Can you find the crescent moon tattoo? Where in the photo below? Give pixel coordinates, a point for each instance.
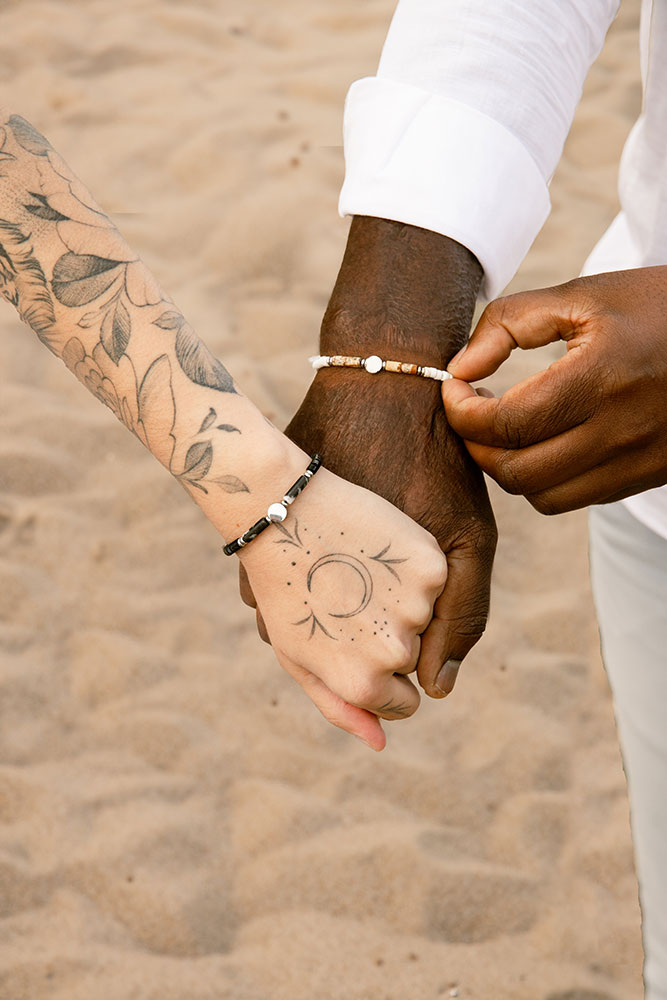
(357, 566)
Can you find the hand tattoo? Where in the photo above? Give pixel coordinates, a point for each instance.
(363, 587)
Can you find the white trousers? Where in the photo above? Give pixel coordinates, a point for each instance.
(629, 577)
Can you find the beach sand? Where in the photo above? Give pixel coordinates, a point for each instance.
(176, 820)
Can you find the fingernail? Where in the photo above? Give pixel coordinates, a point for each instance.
(446, 679)
(457, 357)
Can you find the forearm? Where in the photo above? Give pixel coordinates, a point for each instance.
(401, 289)
(75, 281)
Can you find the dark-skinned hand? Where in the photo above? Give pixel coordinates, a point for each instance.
(592, 427)
(407, 294)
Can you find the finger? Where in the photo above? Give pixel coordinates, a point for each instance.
(611, 481)
(459, 617)
(245, 589)
(542, 406)
(549, 463)
(403, 700)
(526, 320)
(356, 721)
(389, 695)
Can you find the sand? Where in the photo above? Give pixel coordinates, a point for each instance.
(176, 821)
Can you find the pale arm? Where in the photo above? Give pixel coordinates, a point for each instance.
(347, 584)
(77, 283)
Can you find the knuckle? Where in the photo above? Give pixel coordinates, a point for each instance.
(508, 474)
(470, 624)
(336, 720)
(421, 614)
(439, 571)
(496, 311)
(481, 539)
(396, 657)
(472, 630)
(632, 433)
(509, 422)
(545, 503)
(363, 691)
(400, 659)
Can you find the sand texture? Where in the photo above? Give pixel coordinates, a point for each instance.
(176, 820)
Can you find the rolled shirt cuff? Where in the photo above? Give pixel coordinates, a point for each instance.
(432, 162)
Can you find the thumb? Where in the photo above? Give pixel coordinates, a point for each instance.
(459, 616)
(467, 408)
(525, 320)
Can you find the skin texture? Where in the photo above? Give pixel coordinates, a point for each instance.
(406, 294)
(347, 583)
(591, 428)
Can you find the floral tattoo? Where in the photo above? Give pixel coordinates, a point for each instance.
(100, 277)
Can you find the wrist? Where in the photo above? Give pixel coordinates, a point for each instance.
(269, 468)
(403, 293)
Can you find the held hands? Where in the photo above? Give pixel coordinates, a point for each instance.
(408, 294)
(390, 435)
(345, 586)
(592, 428)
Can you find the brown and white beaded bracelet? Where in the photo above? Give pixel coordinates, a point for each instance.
(374, 364)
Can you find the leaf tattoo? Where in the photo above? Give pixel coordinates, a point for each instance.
(231, 484)
(194, 357)
(43, 210)
(229, 428)
(28, 137)
(198, 460)
(208, 420)
(388, 563)
(315, 624)
(115, 331)
(80, 278)
(199, 364)
(289, 538)
(170, 320)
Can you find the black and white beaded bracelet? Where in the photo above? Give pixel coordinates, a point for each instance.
(277, 511)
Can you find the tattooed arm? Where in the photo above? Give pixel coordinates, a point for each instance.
(75, 281)
(348, 583)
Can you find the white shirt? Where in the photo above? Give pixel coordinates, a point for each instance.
(462, 127)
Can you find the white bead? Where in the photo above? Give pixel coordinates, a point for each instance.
(373, 365)
(277, 512)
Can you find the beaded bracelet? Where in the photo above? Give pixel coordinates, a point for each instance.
(374, 364)
(277, 511)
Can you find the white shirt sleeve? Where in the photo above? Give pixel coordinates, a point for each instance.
(463, 126)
